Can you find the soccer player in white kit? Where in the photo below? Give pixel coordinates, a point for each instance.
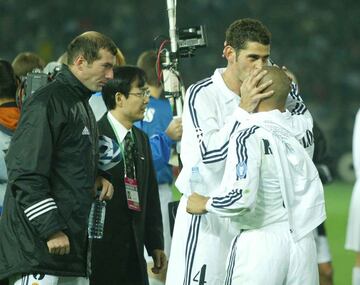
(353, 228)
(212, 111)
(272, 189)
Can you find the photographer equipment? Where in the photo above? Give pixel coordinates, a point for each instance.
(183, 43)
(189, 39)
(34, 80)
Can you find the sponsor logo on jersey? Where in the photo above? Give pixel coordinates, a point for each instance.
(85, 132)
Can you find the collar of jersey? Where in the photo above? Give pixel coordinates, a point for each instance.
(225, 91)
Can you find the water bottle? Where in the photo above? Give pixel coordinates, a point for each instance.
(97, 218)
(196, 181)
(178, 147)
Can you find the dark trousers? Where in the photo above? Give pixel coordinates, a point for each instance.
(117, 265)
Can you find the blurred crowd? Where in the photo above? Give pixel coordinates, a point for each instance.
(316, 40)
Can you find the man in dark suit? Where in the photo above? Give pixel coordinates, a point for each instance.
(133, 216)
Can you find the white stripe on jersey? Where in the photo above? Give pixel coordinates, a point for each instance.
(40, 208)
(209, 156)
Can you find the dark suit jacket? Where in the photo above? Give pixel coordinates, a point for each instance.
(119, 257)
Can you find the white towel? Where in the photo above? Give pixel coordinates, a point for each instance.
(300, 184)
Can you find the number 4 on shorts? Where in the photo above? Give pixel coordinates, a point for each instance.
(202, 273)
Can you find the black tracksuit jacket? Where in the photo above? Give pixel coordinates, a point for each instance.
(51, 163)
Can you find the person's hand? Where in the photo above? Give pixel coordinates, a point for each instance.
(251, 92)
(159, 258)
(107, 189)
(174, 130)
(196, 204)
(289, 74)
(58, 244)
(326, 273)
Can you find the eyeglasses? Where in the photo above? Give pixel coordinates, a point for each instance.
(143, 94)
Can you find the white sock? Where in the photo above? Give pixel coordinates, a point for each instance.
(356, 276)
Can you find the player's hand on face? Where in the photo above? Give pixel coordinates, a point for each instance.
(251, 92)
(288, 73)
(58, 244)
(196, 204)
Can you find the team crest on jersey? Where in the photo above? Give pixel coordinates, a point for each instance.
(241, 169)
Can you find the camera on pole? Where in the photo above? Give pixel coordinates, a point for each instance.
(183, 43)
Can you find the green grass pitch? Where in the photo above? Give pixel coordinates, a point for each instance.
(337, 195)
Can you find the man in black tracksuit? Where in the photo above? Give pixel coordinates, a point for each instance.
(52, 169)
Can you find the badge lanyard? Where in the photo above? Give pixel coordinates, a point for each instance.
(131, 185)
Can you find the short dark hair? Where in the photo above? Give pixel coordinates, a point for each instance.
(8, 83)
(242, 31)
(147, 61)
(26, 62)
(124, 76)
(88, 44)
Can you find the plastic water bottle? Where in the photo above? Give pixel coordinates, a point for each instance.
(178, 147)
(97, 218)
(196, 181)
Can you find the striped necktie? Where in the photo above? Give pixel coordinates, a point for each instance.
(129, 149)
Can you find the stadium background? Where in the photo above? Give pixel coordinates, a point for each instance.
(318, 40)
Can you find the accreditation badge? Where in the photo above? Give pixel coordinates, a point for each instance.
(132, 194)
